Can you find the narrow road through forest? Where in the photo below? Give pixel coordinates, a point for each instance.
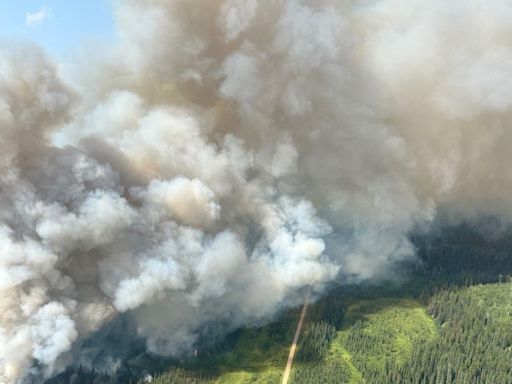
(291, 355)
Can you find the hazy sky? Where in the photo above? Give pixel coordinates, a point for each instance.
(57, 25)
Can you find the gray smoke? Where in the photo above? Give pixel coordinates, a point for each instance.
(223, 155)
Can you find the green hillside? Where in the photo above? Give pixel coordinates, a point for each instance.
(459, 335)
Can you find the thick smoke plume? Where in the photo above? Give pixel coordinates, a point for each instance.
(222, 155)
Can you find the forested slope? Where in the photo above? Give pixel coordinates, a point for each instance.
(449, 321)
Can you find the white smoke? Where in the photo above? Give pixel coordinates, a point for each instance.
(223, 155)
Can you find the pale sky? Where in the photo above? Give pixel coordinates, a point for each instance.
(57, 25)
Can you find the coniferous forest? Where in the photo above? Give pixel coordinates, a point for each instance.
(449, 320)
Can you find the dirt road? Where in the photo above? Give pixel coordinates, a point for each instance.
(291, 355)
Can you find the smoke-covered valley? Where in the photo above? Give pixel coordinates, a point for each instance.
(221, 157)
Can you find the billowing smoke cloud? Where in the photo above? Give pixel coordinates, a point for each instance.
(224, 155)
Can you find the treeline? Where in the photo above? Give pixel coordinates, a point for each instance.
(81, 375)
(178, 376)
(315, 341)
(461, 255)
(473, 345)
(464, 265)
(89, 376)
(331, 373)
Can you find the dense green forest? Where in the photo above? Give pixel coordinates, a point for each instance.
(449, 320)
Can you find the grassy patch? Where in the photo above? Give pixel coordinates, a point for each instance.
(260, 354)
(381, 331)
(269, 376)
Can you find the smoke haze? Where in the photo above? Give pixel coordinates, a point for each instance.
(224, 155)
